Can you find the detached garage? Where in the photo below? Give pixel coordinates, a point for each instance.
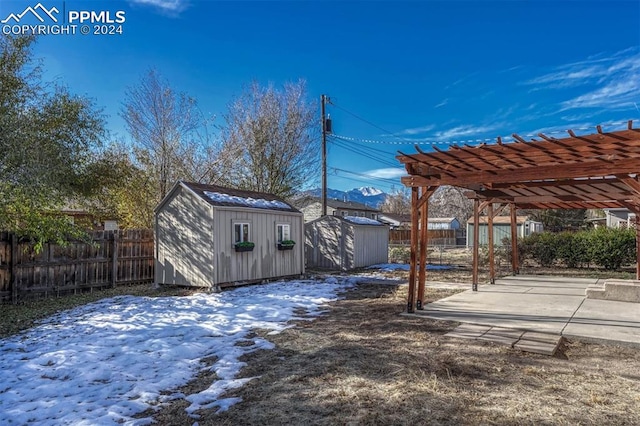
(344, 243)
(210, 236)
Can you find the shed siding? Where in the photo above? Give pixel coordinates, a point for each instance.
(324, 243)
(333, 243)
(371, 245)
(265, 261)
(184, 241)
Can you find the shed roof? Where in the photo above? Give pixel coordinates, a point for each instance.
(359, 220)
(228, 197)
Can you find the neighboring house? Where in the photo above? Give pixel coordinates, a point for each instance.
(403, 221)
(344, 243)
(396, 221)
(83, 218)
(502, 229)
(619, 218)
(443, 223)
(311, 207)
(211, 236)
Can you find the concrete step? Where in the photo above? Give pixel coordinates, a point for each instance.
(617, 290)
(528, 341)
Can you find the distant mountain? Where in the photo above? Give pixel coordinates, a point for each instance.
(368, 195)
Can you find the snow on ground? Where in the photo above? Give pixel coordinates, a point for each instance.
(105, 362)
(390, 267)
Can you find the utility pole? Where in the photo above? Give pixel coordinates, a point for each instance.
(323, 100)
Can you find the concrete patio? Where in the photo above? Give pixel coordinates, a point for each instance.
(553, 305)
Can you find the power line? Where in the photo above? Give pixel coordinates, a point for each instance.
(370, 123)
(371, 156)
(387, 180)
(468, 141)
(353, 179)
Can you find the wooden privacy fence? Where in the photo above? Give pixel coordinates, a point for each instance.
(436, 237)
(112, 258)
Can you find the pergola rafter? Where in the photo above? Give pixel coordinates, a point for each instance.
(599, 170)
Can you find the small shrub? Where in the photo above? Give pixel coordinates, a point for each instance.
(399, 255)
(504, 252)
(543, 248)
(571, 248)
(611, 248)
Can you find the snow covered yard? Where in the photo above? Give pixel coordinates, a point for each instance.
(109, 361)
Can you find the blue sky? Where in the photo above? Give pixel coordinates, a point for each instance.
(398, 73)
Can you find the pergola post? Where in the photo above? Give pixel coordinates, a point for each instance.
(514, 240)
(476, 237)
(492, 266)
(422, 271)
(414, 244)
(637, 246)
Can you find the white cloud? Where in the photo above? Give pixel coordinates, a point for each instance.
(417, 130)
(167, 6)
(465, 130)
(611, 82)
(614, 94)
(388, 173)
(443, 103)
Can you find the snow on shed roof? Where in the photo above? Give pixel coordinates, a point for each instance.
(359, 220)
(228, 197)
(259, 203)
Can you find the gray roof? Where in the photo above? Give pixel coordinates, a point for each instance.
(239, 197)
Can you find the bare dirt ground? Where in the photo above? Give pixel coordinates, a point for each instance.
(363, 363)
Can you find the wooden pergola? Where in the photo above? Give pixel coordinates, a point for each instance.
(594, 171)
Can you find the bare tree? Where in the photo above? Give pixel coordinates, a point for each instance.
(269, 139)
(450, 201)
(398, 202)
(167, 129)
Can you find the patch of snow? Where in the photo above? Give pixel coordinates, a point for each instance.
(369, 191)
(359, 220)
(246, 202)
(108, 361)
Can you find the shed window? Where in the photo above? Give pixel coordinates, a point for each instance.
(240, 232)
(283, 232)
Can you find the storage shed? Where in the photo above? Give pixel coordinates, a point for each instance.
(344, 243)
(211, 236)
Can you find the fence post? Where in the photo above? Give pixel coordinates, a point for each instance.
(114, 260)
(13, 278)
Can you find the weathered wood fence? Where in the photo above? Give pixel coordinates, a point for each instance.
(112, 258)
(436, 237)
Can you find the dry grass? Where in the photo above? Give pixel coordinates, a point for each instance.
(363, 363)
